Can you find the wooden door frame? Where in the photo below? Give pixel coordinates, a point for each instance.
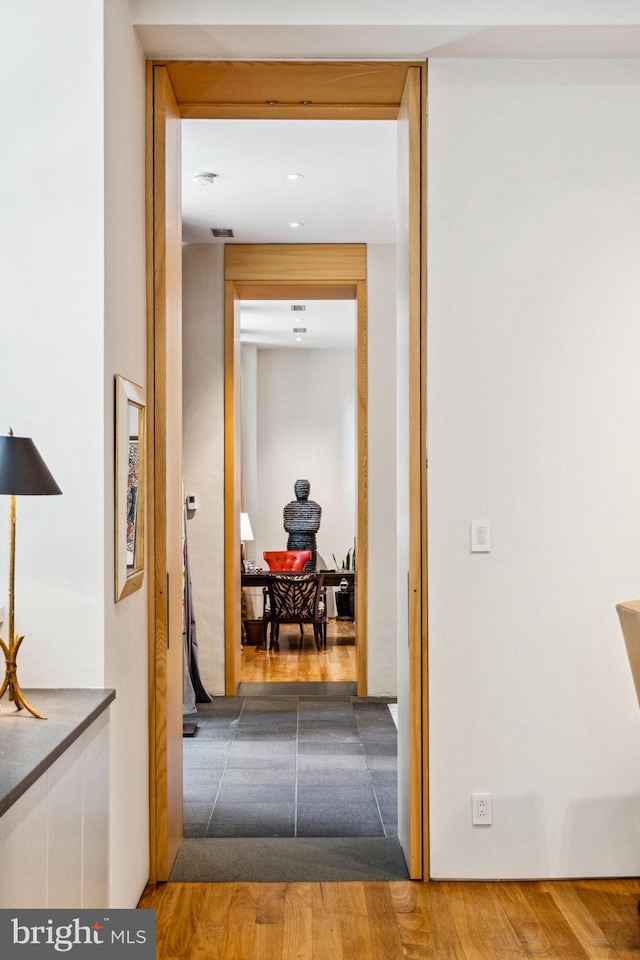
(342, 90)
(291, 271)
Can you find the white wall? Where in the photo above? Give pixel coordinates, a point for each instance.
(306, 427)
(125, 655)
(51, 333)
(203, 450)
(59, 354)
(533, 423)
(203, 443)
(381, 613)
(249, 439)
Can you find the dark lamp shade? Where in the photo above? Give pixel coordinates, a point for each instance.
(22, 469)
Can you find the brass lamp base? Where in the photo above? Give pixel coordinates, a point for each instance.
(10, 682)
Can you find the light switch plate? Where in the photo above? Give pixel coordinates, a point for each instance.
(480, 536)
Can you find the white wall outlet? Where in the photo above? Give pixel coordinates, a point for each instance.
(481, 809)
(480, 536)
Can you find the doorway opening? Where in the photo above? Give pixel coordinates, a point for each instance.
(305, 274)
(299, 392)
(182, 90)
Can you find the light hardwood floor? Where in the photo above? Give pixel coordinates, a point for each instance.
(288, 663)
(560, 920)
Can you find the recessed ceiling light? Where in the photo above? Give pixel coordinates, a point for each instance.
(295, 225)
(204, 179)
(298, 339)
(295, 176)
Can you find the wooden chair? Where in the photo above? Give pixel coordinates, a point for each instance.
(297, 598)
(282, 560)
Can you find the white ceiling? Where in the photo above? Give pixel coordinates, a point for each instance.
(347, 194)
(379, 29)
(330, 324)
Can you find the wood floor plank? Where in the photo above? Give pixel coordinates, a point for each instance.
(614, 907)
(355, 932)
(581, 921)
(213, 924)
(238, 939)
(270, 908)
(539, 925)
(401, 920)
(297, 943)
(383, 923)
(415, 923)
(268, 941)
(487, 926)
(325, 928)
(289, 664)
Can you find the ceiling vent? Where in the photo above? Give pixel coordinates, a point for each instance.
(298, 306)
(222, 231)
(299, 329)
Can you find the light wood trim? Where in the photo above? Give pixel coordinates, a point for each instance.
(296, 262)
(232, 426)
(217, 111)
(413, 94)
(239, 84)
(166, 811)
(302, 260)
(193, 73)
(284, 290)
(362, 480)
(426, 853)
(151, 466)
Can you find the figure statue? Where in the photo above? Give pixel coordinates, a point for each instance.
(301, 519)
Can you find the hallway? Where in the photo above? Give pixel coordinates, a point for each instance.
(291, 766)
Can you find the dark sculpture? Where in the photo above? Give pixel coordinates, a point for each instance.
(301, 521)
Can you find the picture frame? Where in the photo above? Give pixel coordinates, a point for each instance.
(130, 486)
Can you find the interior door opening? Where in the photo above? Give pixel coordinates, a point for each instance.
(295, 426)
(185, 82)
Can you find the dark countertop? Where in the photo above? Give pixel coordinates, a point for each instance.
(28, 746)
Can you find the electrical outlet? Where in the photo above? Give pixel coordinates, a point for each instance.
(481, 809)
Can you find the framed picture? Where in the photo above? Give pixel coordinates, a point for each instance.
(129, 487)
(248, 566)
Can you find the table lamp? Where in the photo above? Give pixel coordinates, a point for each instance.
(23, 472)
(246, 533)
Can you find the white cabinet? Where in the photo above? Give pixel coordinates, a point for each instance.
(54, 839)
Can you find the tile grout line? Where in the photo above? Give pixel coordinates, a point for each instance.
(373, 786)
(231, 742)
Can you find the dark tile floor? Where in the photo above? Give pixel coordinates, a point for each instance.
(291, 767)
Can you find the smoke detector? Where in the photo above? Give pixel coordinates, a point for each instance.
(204, 179)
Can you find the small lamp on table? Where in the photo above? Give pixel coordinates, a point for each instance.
(23, 472)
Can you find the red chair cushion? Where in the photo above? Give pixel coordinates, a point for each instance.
(286, 559)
